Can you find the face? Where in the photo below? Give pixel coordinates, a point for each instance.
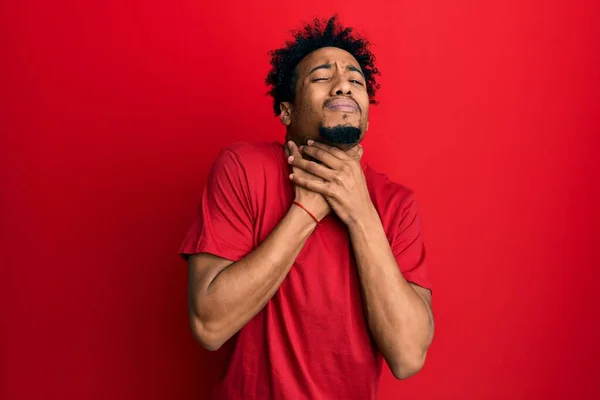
(331, 103)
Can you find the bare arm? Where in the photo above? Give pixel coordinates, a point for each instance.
(398, 312)
(223, 296)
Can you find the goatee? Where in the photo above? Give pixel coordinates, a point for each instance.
(340, 134)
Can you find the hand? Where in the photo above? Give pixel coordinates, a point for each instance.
(314, 202)
(343, 183)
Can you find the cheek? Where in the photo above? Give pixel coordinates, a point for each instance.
(316, 95)
(313, 103)
(363, 100)
(365, 111)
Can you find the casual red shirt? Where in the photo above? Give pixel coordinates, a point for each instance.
(311, 340)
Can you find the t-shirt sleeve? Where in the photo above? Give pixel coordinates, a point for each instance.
(223, 224)
(408, 247)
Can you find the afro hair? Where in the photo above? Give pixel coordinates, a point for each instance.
(282, 76)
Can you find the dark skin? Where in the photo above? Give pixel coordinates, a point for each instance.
(225, 295)
(398, 312)
(326, 74)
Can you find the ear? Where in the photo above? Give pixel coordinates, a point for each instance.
(286, 113)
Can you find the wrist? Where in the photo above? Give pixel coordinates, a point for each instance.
(363, 221)
(302, 218)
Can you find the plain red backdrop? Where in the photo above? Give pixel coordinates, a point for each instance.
(111, 113)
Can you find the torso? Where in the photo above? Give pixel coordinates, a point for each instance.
(311, 340)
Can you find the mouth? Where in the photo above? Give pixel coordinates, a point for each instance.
(344, 105)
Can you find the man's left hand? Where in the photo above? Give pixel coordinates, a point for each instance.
(345, 187)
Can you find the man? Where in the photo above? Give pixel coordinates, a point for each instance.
(304, 262)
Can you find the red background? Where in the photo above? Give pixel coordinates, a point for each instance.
(111, 113)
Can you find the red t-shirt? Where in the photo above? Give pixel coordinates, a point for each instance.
(311, 340)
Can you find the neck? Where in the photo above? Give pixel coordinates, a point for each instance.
(294, 138)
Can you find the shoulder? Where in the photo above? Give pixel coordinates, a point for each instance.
(250, 154)
(257, 165)
(393, 200)
(386, 190)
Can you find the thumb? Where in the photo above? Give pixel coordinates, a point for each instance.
(356, 152)
(361, 151)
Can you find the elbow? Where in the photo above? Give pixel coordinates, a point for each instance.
(208, 337)
(408, 362)
(406, 367)
(210, 344)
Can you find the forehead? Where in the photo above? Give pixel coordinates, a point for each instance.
(326, 55)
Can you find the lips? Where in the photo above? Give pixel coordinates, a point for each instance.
(347, 105)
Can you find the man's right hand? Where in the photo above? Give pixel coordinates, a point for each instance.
(314, 202)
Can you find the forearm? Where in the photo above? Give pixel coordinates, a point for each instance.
(242, 289)
(399, 319)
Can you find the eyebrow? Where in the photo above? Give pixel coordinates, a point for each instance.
(328, 66)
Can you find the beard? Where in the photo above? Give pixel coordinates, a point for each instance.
(340, 134)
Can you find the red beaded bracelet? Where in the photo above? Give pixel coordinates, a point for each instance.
(308, 212)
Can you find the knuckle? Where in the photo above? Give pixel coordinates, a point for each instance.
(332, 191)
(337, 178)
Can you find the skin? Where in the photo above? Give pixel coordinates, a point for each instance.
(326, 74)
(224, 296)
(398, 312)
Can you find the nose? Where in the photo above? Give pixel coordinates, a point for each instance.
(341, 87)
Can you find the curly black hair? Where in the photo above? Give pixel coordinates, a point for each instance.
(282, 76)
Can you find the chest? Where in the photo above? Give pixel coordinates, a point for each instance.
(324, 271)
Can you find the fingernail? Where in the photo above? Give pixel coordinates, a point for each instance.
(301, 148)
(310, 142)
(290, 144)
(290, 159)
(291, 176)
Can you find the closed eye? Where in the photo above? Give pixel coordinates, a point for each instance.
(320, 79)
(356, 81)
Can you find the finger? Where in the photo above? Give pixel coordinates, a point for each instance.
(295, 150)
(307, 175)
(355, 152)
(292, 153)
(312, 185)
(330, 149)
(290, 148)
(323, 156)
(312, 168)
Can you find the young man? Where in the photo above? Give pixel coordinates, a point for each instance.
(304, 262)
